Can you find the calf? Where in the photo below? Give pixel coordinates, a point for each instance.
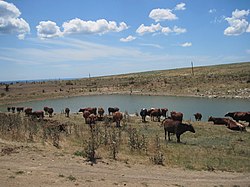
(176, 127)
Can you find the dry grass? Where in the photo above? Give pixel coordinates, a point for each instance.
(210, 148)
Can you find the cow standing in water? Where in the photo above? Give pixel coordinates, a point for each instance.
(176, 127)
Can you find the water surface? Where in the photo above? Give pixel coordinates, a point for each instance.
(217, 107)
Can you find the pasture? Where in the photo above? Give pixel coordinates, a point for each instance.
(211, 148)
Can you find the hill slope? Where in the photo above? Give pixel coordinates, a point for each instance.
(230, 80)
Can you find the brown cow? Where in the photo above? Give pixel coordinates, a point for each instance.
(28, 111)
(164, 112)
(91, 110)
(178, 116)
(67, 110)
(100, 112)
(176, 127)
(239, 116)
(218, 121)
(198, 116)
(38, 114)
(155, 113)
(117, 117)
(91, 120)
(231, 124)
(85, 115)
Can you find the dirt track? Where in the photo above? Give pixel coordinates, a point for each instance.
(38, 165)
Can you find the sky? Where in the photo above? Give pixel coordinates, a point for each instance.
(74, 39)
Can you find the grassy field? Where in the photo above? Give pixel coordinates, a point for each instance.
(230, 80)
(211, 148)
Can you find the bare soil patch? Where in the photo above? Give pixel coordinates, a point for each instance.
(39, 165)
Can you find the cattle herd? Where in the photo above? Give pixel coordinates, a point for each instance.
(172, 124)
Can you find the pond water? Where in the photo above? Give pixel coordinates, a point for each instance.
(216, 107)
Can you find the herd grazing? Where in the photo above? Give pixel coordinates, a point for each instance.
(171, 122)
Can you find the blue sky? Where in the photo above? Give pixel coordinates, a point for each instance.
(72, 39)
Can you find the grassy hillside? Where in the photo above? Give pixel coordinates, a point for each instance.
(230, 80)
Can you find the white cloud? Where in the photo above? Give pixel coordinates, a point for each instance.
(101, 26)
(10, 21)
(162, 14)
(159, 29)
(180, 6)
(128, 39)
(237, 23)
(248, 29)
(179, 30)
(187, 44)
(148, 29)
(48, 29)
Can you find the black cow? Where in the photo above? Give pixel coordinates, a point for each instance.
(143, 114)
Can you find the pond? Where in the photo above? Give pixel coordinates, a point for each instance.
(216, 107)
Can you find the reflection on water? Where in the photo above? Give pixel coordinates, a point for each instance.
(133, 103)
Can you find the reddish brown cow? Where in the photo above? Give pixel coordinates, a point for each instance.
(178, 116)
(85, 115)
(198, 116)
(117, 117)
(91, 120)
(91, 110)
(218, 121)
(28, 111)
(38, 114)
(231, 124)
(176, 127)
(155, 113)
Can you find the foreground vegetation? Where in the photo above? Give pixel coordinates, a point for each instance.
(230, 80)
(210, 148)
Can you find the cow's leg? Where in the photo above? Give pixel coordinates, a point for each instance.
(165, 133)
(169, 136)
(178, 136)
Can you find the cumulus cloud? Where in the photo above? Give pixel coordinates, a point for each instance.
(48, 29)
(128, 39)
(148, 29)
(186, 44)
(10, 21)
(100, 26)
(162, 14)
(237, 23)
(180, 6)
(179, 30)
